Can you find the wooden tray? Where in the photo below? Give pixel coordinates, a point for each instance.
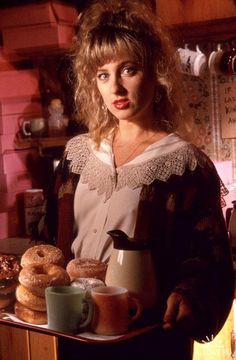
(88, 337)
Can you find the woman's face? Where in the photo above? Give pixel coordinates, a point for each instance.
(127, 90)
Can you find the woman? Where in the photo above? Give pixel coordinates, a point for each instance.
(133, 172)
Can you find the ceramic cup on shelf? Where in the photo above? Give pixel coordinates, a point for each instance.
(214, 60)
(35, 127)
(65, 308)
(112, 305)
(193, 62)
(227, 62)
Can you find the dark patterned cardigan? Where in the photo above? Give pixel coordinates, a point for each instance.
(189, 239)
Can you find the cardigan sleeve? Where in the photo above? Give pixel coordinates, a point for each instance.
(58, 223)
(206, 275)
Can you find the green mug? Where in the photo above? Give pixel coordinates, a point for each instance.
(67, 307)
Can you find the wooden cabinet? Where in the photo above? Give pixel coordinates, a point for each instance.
(22, 344)
(42, 346)
(38, 28)
(196, 21)
(176, 12)
(14, 343)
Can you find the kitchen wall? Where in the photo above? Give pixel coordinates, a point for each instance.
(204, 100)
(205, 105)
(202, 95)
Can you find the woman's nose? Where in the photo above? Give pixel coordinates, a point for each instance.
(116, 85)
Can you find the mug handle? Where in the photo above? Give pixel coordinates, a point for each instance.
(134, 303)
(24, 125)
(198, 49)
(89, 316)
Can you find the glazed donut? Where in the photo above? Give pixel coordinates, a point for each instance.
(30, 316)
(7, 300)
(86, 268)
(37, 277)
(43, 254)
(8, 287)
(9, 267)
(87, 283)
(28, 299)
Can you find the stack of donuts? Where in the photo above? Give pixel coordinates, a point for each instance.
(86, 273)
(42, 266)
(9, 271)
(86, 268)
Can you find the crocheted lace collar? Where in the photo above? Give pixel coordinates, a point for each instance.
(160, 160)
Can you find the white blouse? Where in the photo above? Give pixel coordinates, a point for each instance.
(107, 197)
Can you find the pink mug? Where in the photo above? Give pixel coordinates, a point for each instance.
(111, 310)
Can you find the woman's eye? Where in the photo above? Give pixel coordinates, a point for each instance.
(102, 76)
(129, 70)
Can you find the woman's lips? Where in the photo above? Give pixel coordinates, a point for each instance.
(121, 104)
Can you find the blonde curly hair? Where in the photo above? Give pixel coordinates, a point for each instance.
(106, 31)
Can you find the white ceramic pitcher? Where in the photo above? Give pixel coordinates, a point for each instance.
(131, 266)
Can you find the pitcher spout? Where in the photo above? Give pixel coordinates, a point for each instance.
(121, 241)
(120, 238)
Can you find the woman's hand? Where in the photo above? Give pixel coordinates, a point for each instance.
(178, 313)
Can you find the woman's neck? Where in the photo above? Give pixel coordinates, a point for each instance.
(130, 140)
(132, 132)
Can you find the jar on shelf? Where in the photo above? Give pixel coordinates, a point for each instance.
(57, 121)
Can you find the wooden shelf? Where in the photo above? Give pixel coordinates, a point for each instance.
(218, 30)
(43, 143)
(47, 146)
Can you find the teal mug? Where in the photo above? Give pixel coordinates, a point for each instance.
(66, 309)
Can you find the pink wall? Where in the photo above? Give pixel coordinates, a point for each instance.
(29, 32)
(19, 99)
